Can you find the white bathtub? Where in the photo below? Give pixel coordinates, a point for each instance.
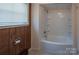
(56, 45)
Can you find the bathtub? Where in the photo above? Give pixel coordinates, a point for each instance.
(56, 45)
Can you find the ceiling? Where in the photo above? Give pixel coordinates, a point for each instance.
(57, 5)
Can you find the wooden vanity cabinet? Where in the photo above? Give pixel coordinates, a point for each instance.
(9, 38)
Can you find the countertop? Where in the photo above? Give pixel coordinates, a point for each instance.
(10, 25)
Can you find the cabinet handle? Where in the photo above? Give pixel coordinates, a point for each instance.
(17, 41)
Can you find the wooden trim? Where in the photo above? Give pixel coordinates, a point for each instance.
(30, 23)
(30, 14)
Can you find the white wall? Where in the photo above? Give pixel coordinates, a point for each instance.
(37, 27)
(77, 27)
(43, 20)
(35, 37)
(58, 22)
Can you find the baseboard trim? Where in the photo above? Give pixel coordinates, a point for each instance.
(34, 51)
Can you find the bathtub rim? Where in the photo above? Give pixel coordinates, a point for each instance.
(57, 43)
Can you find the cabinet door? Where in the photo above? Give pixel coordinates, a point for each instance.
(20, 35)
(17, 41)
(4, 41)
(23, 34)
